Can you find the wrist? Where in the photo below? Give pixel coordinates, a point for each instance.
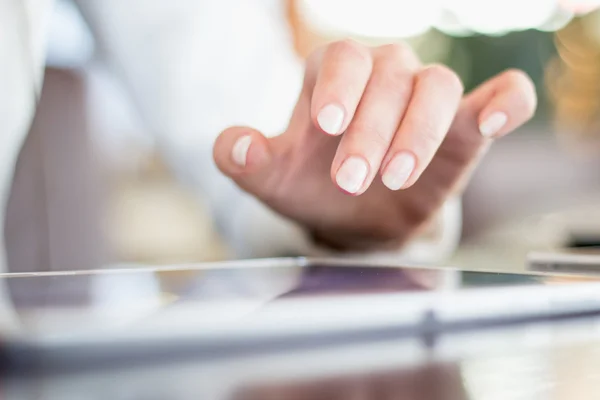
(344, 242)
(441, 232)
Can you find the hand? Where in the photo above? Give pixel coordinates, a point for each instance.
(376, 144)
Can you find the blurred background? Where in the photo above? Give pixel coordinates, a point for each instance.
(114, 200)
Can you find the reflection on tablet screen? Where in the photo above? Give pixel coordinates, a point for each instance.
(88, 301)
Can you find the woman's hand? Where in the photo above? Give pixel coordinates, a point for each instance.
(376, 144)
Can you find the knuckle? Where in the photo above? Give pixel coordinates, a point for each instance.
(444, 76)
(380, 138)
(398, 51)
(391, 77)
(430, 137)
(351, 50)
(372, 133)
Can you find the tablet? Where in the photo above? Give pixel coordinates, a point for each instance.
(580, 261)
(261, 306)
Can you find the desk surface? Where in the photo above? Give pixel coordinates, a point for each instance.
(564, 372)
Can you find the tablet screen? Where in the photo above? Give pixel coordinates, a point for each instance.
(213, 293)
(238, 282)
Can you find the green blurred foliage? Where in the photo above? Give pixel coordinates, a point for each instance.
(477, 58)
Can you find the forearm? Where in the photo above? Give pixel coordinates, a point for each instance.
(190, 87)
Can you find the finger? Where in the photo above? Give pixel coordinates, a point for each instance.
(379, 113)
(436, 97)
(463, 146)
(511, 93)
(514, 103)
(244, 155)
(343, 75)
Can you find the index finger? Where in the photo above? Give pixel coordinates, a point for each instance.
(345, 70)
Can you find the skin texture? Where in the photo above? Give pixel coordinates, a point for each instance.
(391, 105)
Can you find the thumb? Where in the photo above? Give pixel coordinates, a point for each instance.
(246, 156)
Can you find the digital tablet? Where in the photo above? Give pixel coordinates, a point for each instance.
(580, 261)
(260, 306)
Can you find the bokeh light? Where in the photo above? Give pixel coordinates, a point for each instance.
(498, 17)
(403, 19)
(580, 6)
(374, 18)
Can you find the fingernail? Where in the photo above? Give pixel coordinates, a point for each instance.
(399, 170)
(492, 125)
(352, 174)
(331, 118)
(239, 153)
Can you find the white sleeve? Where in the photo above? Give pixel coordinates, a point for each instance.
(189, 87)
(22, 27)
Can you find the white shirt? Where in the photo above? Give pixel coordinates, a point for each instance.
(194, 67)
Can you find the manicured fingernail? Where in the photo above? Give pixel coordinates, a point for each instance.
(239, 153)
(331, 118)
(399, 170)
(493, 124)
(352, 174)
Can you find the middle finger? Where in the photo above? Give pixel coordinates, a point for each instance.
(383, 104)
